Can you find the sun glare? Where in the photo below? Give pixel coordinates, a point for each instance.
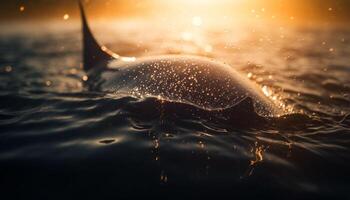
(197, 21)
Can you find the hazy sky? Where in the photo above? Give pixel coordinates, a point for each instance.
(335, 10)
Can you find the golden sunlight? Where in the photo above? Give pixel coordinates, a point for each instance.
(236, 99)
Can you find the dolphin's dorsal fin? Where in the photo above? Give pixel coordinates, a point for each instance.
(93, 53)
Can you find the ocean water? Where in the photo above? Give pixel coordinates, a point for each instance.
(58, 139)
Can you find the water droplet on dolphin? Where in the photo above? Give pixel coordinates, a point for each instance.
(65, 17)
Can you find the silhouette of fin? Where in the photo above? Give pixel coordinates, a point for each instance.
(244, 106)
(93, 53)
(243, 114)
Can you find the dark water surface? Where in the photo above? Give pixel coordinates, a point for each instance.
(60, 140)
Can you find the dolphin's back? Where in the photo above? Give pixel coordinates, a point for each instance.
(189, 79)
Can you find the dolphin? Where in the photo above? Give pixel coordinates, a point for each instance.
(205, 83)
